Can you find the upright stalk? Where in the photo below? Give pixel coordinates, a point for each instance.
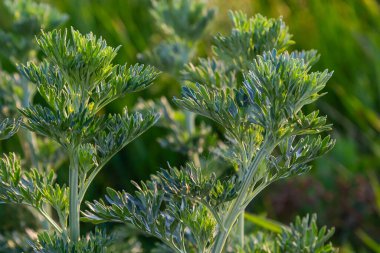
(74, 212)
(237, 207)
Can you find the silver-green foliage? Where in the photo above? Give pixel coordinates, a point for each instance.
(173, 206)
(94, 242)
(269, 138)
(76, 80)
(302, 236)
(253, 37)
(32, 188)
(232, 54)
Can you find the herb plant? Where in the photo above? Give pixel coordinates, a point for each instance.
(76, 80)
(256, 91)
(251, 86)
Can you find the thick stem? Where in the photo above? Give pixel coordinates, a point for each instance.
(220, 241)
(237, 206)
(74, 229)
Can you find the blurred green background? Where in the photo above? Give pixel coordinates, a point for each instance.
(343, 187)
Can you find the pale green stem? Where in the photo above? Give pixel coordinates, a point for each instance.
(241, 229)
(240, 223)
(74, 211)
(237, 205)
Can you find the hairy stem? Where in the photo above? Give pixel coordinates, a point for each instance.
(74, 211)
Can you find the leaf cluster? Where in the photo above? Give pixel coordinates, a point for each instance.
(169, 56)
(32, 188)
(301, 236)
(263, 120)
(94, 242)
(250, 37)
(275, 89)
(176, 206)
(269, 137)
(233, 54)
(77, 80)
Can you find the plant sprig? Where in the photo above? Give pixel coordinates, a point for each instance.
(268, 134)
(77, 80)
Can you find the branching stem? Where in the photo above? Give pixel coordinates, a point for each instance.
(51, 221)
(237, 206)
(88, 181)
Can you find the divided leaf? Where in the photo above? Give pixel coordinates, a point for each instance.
(95, 242)
(178, 206)
(301, 236)
(120, 130)
(32, 188)
(251, 37)
(8, 127)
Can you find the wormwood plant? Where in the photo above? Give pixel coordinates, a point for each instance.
(255, 90)
(76, 80)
